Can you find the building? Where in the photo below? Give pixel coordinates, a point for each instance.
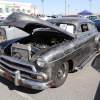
(8, 7)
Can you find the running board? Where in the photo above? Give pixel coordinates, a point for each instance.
(86, 61)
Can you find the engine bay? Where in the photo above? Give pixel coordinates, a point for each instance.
(25, 48)
(46, 42)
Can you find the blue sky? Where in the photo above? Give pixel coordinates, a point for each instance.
(58, 6)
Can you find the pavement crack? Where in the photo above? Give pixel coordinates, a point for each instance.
(9, 96)
(24, 95)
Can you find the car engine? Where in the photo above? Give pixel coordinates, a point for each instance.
(24, 49)
(21, 51)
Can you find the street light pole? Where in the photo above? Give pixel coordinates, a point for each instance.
(76, 11)
(68, 9)
(34, 11)
(42, 6)
(90, 5)
(65, 7)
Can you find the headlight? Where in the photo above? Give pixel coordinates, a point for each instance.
(40, 62)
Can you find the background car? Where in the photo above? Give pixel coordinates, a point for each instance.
(97, 23)
(7, 33)
(92, 17)
(10, 32)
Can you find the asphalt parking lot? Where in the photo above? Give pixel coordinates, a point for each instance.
(81, 85)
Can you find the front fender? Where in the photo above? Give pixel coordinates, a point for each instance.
(5, 44)
(97, 42)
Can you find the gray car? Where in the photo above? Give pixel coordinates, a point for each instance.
(53, 48)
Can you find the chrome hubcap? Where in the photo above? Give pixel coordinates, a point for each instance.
(61, 72)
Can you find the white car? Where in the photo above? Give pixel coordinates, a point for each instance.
(45, 18)
(7, 33)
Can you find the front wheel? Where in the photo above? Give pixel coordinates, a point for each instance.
(61, 76)
(98, 47)
(97, 43)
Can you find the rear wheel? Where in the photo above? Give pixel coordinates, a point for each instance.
(61, 76)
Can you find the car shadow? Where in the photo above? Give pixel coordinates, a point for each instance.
(96, 63)
(97, 95)
(23, 89)
(74, 71)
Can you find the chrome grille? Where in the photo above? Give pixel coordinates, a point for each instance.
(11, 65)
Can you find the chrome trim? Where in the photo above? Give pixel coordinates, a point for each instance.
(86, 61)
(16, 67)
(25, 76)
(1, 72)
(37, 85)
(44, 61)
(68, 53)
(20, 69)
(28, 83)
(19, 62)
(33, 73)
(17, 77)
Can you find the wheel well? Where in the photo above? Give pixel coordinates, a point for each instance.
(70, 62)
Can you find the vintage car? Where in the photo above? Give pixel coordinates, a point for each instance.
(53, 48)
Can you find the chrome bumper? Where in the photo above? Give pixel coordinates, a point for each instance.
(25, 82)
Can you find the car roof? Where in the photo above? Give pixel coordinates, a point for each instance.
(97, 19)
(73, 20)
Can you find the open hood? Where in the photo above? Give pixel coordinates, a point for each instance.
(28, 23)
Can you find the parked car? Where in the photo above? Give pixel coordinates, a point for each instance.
(1, 20)
(7, 33)
(10, 32)
(92, 17)
(44, 58)
(97, 23)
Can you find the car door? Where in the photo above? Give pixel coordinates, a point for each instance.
(84, 36)
(92, 35)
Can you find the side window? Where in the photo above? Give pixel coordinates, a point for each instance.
(81, 29)
(92, 27)
(84, 27)
(23, 10)
(1, 10)
(13, 9)
(7, 10)
(67, 27)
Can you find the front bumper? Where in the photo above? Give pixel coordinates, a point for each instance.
(22, 73)
(25, 82)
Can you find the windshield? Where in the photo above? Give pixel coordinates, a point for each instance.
(92, 17)
(68, 27)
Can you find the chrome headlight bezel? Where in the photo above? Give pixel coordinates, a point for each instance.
(41, 62)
